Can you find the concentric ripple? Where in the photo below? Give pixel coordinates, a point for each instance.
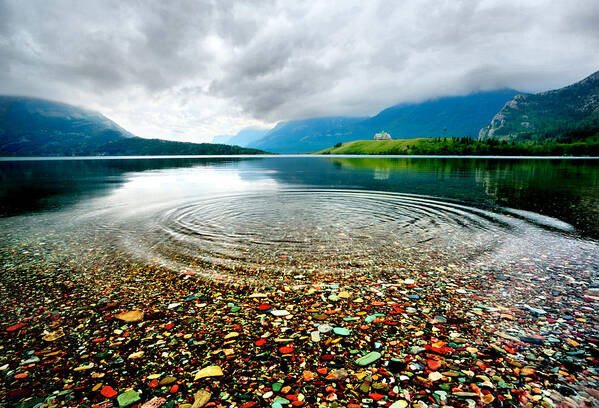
(314, 229)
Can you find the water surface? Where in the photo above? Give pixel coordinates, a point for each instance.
(227, 216)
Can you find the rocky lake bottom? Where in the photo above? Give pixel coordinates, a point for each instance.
(280, 282)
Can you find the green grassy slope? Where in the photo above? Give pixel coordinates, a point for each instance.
(396, 146)
(466, 146)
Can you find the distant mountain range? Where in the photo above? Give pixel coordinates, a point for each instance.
(570, 113)
(37, 127)
(457, 116)
(302, 136)
(243, 138)
(31, 127)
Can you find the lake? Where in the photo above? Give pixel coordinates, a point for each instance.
(250, 212)
(480, 245)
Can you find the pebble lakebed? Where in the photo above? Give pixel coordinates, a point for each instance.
(420, 328)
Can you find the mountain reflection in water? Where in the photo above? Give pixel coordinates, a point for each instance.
(563, 189)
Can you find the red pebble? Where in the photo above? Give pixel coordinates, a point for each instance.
(153, 383)
(376, 396)
(108, 391)
(174, 389)
(286, 350)
(15, 327)
(169, 326)
(433, 364)
(260, 342)
(263, 307)
(249, 404)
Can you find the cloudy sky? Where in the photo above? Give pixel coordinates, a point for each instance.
(189, 70)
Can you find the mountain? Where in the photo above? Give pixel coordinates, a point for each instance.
(301, 136)
(243, 138)
(38, 127)
(35, 127)
(569, 113)
(456, 116)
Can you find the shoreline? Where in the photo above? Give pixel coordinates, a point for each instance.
(391, 156)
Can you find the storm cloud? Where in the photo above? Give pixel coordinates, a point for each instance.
(188, 70)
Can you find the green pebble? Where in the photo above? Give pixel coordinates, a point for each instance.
(368, 358)
(341, 331)
(276, 387)
(128, 398)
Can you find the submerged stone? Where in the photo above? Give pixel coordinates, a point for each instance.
(128, 398)
(211, 371)
(368, 358)
(324, 328)
(341, 331)
(132, 316)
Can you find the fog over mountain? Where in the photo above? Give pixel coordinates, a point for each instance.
(191, 70)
